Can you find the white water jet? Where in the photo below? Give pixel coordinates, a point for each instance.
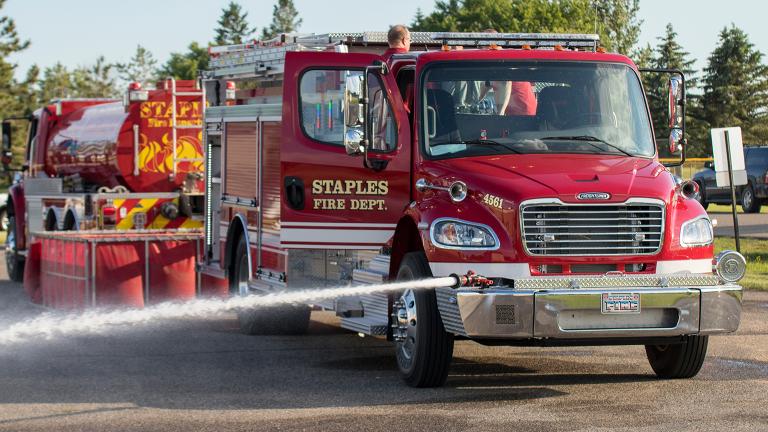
(56, 324)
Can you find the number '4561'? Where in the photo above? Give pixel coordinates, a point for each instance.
(493, 201)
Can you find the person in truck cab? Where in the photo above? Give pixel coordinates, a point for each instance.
(399, 40)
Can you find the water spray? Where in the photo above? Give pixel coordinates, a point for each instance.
(55, 324)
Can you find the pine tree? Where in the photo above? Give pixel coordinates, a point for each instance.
(285, 19)
(669, 54)
(96, 81)
(55, 83)
(141, 68)
(233, 26)
(186, 65)
(14, 96)
(736, 86)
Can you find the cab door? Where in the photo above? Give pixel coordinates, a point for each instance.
(331, 200)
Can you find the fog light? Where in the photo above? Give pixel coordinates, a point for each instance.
(730, 266)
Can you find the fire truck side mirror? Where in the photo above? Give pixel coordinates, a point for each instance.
(675, 97)
(676, 100)
(7, 140)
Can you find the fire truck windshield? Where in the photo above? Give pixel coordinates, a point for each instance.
(476, 109)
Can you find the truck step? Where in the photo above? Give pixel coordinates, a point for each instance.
(365, 325)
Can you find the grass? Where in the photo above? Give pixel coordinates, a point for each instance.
(726, 208)
(756, 253)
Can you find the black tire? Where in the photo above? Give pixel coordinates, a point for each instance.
(428, 362)
(14, 262)
(277, 320)
(749, 203)
(678, 360)
(701, 197)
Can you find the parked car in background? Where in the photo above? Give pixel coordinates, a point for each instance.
(751, 196)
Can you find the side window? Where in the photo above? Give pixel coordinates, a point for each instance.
(322, 103)
(383, 125)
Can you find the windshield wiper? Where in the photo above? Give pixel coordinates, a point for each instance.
(490, 142)
(591, 139)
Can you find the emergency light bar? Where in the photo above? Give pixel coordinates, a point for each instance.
(519, 40)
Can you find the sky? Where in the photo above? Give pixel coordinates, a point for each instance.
(75, 32)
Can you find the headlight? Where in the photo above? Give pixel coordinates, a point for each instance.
(696, 232)
(457, 234)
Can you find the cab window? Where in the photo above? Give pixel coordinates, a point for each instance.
(322, 103)
(383, 126)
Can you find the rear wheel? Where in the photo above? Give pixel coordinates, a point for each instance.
(283, 319)
(422, 346)
(748, 201)
(678, 360)
(14, 262)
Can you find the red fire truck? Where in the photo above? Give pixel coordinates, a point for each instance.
(330, 164)
(96, 164)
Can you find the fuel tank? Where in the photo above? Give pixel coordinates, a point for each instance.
(127, 143)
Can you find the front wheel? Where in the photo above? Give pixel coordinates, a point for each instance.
(422, 346)
(682, 360)
(748, 201)
(14, 261)
(274, 320)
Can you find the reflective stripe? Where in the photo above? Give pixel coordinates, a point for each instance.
(697, 266)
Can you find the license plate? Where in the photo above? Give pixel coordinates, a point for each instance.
(620, 303)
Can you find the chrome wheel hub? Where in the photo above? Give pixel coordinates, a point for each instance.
(747, 198)
(404, 324)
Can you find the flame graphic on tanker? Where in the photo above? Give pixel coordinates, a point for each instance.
(157, 157)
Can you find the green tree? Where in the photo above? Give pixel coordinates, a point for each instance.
(141, 68)
(617, 23)
(185, 65)
(233, 26)
(14, 95)
(285, 19)
(669, 54)
(614, 20)
(56, 83)
(736, 86)
(95, 81)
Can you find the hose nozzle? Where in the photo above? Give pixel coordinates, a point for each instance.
(471, 279)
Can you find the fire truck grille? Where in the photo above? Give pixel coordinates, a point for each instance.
(634, 228)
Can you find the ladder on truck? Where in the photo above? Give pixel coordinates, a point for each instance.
(175, 126)
(266, 58)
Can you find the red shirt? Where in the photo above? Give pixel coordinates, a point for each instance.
(390, 51)
(522, 101)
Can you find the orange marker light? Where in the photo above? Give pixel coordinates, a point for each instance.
(601, 50)
(558, 47)
(446, 47)
(526, 47)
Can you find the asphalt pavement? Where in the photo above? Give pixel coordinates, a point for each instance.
(753, 225)
(203, 375)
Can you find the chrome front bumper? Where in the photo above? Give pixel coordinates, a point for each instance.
(577, 313)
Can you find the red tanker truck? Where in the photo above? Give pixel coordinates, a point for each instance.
(108, 164)
(339, 165)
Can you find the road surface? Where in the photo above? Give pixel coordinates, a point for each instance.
(754, 225)
(204, 375)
